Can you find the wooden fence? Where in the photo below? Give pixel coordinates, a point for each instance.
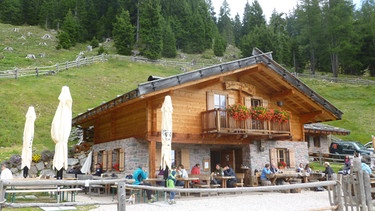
(51, 70)
(346, 192)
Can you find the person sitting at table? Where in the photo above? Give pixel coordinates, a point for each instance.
(139, 175)
(75, 170)
(274, 169)
(98, 170)
(300, 168)
(196, 170)
(228, 171)
(263, 177)
(218, 172)
(328, 171)
(182, 173)
(160, 175)
(307, 168)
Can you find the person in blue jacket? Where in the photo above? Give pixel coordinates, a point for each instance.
(139, 175)
(263, 177)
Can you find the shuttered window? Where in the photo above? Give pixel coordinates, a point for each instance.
(283, 155)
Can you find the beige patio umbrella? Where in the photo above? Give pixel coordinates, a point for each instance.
(28, 136)
(60, 131)
(86, 168)
(166, 132)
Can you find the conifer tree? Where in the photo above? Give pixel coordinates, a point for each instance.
(169, 42)
(151, 40)
(123, 33)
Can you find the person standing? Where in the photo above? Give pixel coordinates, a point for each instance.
(171, 184)
(328, 171)
(139, 175)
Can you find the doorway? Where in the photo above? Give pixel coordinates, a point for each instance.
(233, 157)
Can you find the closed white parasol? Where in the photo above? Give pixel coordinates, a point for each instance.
(86, 168)
(28, 137)
(60, 130)
(166, 132)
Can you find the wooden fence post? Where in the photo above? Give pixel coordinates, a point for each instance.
(37, 72)
(121, 196)
(2, 194)
(66, 65)
(57, 67)
(16, 73)
(361, 185)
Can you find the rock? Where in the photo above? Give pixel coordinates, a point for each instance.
(73, 161)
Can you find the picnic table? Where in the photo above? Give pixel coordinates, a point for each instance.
(285, 176)
(224, 180)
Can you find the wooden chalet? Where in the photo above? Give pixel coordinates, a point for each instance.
(126, 130)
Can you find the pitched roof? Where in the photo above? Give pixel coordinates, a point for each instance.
(280, 88)
(318, 128)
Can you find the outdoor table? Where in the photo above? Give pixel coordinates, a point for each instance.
(187, 182)
(107, 187)
(224, 180)
(285, 176)
(317, 176)
(154, 180)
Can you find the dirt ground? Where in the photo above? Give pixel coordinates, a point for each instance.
(305, 201)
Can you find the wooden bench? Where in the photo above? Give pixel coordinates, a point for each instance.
(205, 182)
(240, 179)
(32, 189)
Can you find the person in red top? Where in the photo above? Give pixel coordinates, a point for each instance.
(196, 170)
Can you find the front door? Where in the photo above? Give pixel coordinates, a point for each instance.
(227, 157)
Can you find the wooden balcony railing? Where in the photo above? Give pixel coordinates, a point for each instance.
(218, 121)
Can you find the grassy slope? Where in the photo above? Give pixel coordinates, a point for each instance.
(89, 86)
(92, 85)
(355, 101)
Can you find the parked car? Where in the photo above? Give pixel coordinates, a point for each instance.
(342, 148)
(369, 146)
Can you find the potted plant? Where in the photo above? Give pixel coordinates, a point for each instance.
(281, 116)
(261, 113)
(281, 165)
(239, 112)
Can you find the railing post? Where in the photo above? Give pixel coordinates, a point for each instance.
(37, 72)
(57, 67)
(121, 196)
(217, 119)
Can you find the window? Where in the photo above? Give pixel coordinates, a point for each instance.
(283, 156)
(317, 141)
(220, 101)
(115, 159)
(256, 102)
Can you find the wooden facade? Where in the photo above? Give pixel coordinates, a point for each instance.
(198, 120)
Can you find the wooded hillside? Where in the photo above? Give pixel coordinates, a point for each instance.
(319, 35)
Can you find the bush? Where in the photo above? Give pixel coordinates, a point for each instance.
(15, 160)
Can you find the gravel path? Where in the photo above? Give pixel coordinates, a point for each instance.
(304, 201)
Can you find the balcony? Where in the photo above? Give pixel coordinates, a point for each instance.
(218, 121)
